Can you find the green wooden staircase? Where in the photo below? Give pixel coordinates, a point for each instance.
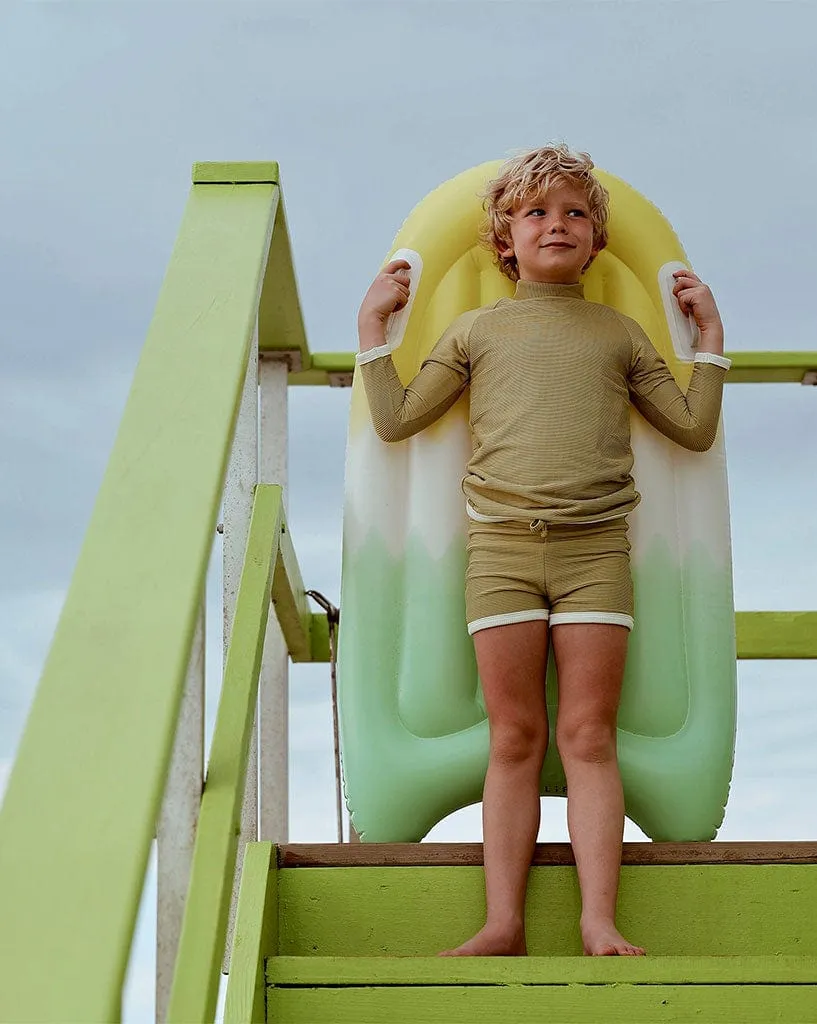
(349, 935)
(344, 933)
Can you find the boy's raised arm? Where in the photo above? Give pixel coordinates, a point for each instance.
(690, 419)
(399, 412)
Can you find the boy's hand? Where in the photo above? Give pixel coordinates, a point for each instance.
(388, 293)
(695, 298)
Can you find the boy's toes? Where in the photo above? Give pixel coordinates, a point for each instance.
(603, 939)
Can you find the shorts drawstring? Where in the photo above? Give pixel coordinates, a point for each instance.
(538, 526)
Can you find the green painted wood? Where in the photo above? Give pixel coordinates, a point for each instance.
(291, 603)
(313, 971)
(747, 367)
(554, 1004)
(236, 172)
(426, 854)
(281, 328)
(770, 367)
(84, 795)
(760, 635)
(255, 936)
(680, 910)
(777, 634)
(203, 936)
(323, 365)
(319, 637)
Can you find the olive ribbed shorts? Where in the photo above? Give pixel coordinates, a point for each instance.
(519, 571)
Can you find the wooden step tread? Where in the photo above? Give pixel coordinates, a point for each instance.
(334, 855)
(336, 971)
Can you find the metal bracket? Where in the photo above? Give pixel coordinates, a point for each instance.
(340, 380)
(810, 377)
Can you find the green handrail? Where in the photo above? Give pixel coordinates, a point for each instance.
(84, 794)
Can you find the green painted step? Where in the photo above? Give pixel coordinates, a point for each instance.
(348, 934)
(305, 990)
(672, 910)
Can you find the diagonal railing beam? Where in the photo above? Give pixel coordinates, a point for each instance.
(201, 946)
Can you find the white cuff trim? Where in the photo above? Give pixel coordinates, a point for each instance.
(373, 353)
(606, 618)
(531, 615)
(710, 357)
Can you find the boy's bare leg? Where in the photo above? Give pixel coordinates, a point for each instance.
(590, 661)
(512, 661)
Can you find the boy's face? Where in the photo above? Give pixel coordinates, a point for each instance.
(552, 236)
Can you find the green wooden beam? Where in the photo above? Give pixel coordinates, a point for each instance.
(281, 330)
(747, 368)
(258, 172)
(558, 970)
(521, 1004)
(291, 603)
(791, 635)
(201, 944)
(782, 635)
(255, 937)
(86, 788)
(772, 367)
(319, 633)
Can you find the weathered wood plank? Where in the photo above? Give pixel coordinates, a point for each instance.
(675, 910)
(556, 1004)
(313, 971)
(315, 855)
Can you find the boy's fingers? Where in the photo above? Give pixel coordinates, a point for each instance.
(396, 265)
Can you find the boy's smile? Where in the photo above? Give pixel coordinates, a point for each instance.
(552, 236)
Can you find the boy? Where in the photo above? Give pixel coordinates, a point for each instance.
(548, 491)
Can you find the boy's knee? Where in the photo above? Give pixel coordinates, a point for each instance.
(589, 741)
(515, 743)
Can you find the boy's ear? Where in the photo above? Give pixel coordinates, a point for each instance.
(593, 254)
(505, 248)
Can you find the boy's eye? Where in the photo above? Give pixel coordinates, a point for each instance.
(538, 211)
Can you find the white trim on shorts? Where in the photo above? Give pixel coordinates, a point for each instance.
(536, 614)
(506, 618)
(606, 618)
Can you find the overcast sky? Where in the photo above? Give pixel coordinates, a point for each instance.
(708, 109)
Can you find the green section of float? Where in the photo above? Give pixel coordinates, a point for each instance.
(415, 754)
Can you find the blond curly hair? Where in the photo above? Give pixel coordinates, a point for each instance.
(534, 173)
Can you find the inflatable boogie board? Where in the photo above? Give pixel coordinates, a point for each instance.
(413, 725)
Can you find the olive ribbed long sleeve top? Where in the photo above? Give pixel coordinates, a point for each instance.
(552, 377)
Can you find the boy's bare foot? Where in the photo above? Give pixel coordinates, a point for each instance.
(493, 941)
(602, 938)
